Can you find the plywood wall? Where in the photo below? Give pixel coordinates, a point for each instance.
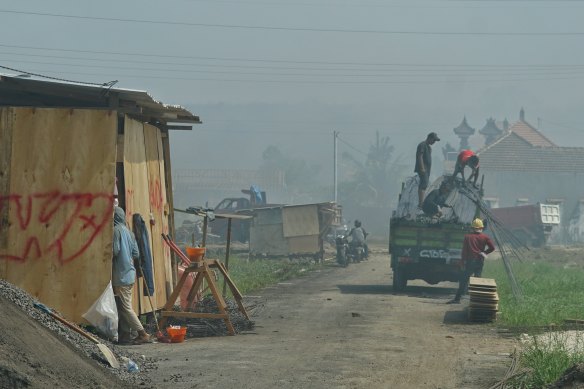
(57, 204)
(146, 194)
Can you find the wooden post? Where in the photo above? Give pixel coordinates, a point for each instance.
(205, 225)
(227, 249)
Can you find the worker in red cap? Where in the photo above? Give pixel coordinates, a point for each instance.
(470, 159)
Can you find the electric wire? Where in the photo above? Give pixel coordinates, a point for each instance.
(267, 60)
(301, 29)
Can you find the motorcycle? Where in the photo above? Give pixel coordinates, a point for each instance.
(348, 252)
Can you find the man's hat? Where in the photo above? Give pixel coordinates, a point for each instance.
(433, 136)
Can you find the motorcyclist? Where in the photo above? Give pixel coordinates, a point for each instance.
(358, 238)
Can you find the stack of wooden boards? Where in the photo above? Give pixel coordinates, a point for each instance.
(484, 300)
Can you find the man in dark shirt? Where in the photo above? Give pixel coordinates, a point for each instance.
(424, 164)
(475, 248)
(435, 200)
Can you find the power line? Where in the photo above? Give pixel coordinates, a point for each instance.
(393, 68)
(351, 146)
(395, 73)
(325, 82)
(157, 55)
(297, 29)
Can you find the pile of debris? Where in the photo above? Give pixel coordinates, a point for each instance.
(40, 351)
(199, 328)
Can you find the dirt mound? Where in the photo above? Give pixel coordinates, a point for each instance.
(39, 352)
(573, 378)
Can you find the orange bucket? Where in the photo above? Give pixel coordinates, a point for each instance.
(177, 335)
(196, 253)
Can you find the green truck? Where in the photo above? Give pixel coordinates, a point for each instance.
(430, 251)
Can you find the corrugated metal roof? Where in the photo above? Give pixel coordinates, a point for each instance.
(31, 92)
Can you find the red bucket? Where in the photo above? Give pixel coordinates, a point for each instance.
(177, 335)
(195, 253)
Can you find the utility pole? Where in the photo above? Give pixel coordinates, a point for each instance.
(335, 136)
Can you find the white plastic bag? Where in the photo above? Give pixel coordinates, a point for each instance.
(103, 314)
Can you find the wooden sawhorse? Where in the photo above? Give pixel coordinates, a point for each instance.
(204, 272)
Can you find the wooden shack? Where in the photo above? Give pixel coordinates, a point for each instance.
(292, 230)
(62, 147)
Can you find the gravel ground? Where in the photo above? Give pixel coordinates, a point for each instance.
(80, 344)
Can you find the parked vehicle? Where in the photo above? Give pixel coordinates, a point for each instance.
(347, 252)
(426, 247)
(426, 251)
(233, 205)
(532, 223)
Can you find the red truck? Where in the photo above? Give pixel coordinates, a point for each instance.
(532, 223)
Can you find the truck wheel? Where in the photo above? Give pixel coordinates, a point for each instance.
(400, 280)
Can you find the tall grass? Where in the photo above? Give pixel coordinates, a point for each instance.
(547, 356)
(553, 290)
(551, 293)
(259, 273)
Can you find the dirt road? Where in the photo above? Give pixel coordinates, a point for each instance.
(343, 328)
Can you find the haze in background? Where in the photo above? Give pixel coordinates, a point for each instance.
(287, 73)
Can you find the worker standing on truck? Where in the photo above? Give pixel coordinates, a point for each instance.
(470, 159)
(436, 200)
(424, 164)
(475, 248)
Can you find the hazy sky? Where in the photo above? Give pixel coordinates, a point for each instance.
(288, 73)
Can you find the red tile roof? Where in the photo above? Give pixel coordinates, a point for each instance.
(530, 134)
(513, 152)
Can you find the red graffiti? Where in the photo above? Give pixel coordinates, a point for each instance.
(155, 195)
(60, 225)
(129, 203)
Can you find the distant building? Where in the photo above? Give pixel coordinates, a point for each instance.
(523, 166)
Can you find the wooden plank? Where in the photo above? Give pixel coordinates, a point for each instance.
(303, 244)
(482, 293)
(484, 300)
(482, 287)
(166, 168)
(62, 175)
(137, 191)
(482, 281)
(157, 202)
(480, 304)
(199, 315)
(300, 220)
(6, 123)
(165, 214)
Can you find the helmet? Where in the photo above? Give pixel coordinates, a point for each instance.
(357, 223)
(477, 224)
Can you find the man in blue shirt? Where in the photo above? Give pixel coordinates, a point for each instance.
(125, 250)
